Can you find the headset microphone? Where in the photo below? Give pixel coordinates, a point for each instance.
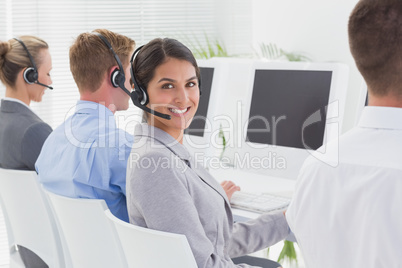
(135, 98)
(49, 87)
(118, 79)
(31, 73)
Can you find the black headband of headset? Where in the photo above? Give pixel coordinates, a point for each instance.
(111, 49)
(120, 66)
(136, 85)
(29, 54)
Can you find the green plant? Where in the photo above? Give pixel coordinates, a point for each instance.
(291, 56)
(288, 253)
(222, 136)
(207, 48)
(272, 52)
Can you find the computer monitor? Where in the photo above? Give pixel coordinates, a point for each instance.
(203, 128)
(362, 101)
(197, 126)
(292, 110)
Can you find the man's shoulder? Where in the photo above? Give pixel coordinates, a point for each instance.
(105, 143)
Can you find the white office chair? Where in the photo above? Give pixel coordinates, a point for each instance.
(91, 240)
(147, 248)
(28, 218)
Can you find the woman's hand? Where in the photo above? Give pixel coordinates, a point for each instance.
(229, 187)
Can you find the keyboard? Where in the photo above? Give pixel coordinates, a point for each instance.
(258, 202)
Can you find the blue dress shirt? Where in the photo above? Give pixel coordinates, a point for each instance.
(86, 157)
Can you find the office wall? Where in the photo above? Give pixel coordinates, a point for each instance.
(234, 23)
(317, 28)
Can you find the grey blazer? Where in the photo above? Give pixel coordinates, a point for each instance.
(168, 191)
(22, 134)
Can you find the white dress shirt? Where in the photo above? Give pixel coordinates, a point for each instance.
(347, 207)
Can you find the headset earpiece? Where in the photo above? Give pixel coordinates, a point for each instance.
(141, 94)
(144, 96)
(117, 78)
(30, 75)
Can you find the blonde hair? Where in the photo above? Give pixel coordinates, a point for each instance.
(90, 58)
(14, 58)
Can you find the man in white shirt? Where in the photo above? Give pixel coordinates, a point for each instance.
(346, 211)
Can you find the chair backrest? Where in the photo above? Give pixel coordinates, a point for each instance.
(28, 217)
(91, 240)
(147, 248)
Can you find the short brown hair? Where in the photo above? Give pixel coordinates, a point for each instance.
(91, 59)
(14, 58)
(375, 39)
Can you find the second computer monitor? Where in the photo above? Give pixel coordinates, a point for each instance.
(293, 109)
(282, 100)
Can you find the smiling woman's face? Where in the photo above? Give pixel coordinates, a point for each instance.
(174, 90)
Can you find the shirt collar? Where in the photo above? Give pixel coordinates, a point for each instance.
(381, 117)
(163, 137)
(90, 107)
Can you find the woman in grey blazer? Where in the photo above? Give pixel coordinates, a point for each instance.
(23, 62)
(166, 189)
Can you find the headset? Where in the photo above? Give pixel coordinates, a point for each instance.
(139, 95)
(31, 73)
(118, 77)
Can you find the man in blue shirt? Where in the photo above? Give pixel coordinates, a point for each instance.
(86, 156)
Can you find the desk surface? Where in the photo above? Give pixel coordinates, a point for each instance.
(254, 182)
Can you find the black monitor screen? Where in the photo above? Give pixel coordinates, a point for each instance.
(197, 126)
(288, 108)
(366, 102)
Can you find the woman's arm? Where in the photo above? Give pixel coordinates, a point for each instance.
(32, 143)
(257, 234)
(158, 196)
(229, 187)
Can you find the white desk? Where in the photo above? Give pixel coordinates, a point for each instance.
(253, 182)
